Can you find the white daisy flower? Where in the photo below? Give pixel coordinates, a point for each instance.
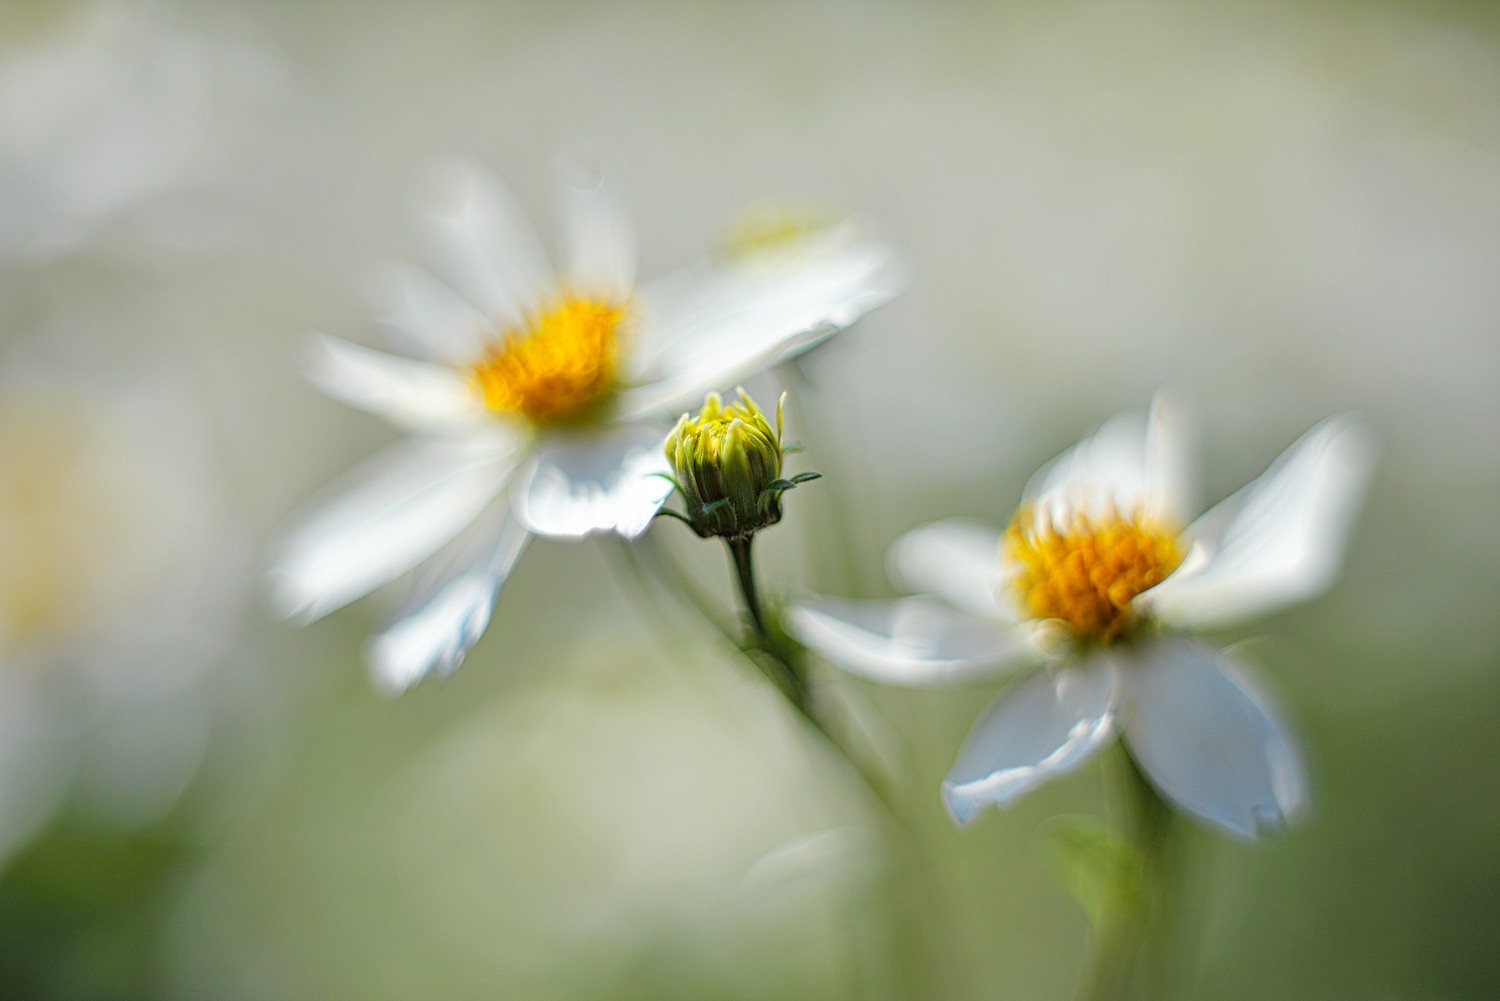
(540, 401)
(1094, 564)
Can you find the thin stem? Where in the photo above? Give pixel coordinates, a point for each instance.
(651, 556)
(744, 565)
(784, 663)
(1133, 920)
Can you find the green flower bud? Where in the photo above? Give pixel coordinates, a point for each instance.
(727, 464)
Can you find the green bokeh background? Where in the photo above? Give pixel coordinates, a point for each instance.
(1279, 210)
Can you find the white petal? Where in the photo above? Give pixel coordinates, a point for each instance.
(1044, 726)
(397, 510)
(435, 637)
(745, 320)
(410, 394)
(428, 317)
(1278, 540)
(599, 240)
(1107, 471)
(605, 481)
(956, 559)
(910, 641)
(1170, 477)
(481, 241)
(1208, 740)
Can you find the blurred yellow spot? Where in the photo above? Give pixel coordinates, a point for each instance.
(57, 520)
(773, 228)
(559, 367)
(1087, 571)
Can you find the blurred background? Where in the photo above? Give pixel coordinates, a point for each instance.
(1279, 210)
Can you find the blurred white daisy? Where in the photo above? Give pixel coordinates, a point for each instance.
(1095, 563)
(541, 398)
(119, 584)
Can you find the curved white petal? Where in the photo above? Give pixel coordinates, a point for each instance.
(746, 319)
(604, 481)
(435, 637)
(410, 394)
(956, 559)
(598, 238)
(1132, 464)
(481, 242)
(1170, 477)
(429, 318)
(1208, 740)
(1278, 540)
(910, 641)
(1044, 726)
(394, 512)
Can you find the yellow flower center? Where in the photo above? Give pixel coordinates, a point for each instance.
(557, 368)
(1087, 572)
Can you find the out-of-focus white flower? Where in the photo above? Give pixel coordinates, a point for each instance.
(1094, 563)
(541, 400)
(118, 583)
(111, 110)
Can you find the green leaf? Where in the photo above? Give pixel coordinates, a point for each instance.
(804, 477)
(1105, 873)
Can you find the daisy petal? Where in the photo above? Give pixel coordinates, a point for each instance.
(910, 641)
(482, 242)
(436, 636)
(1103, 472)
(752, 318)
(599, 482)
(402, 506)
(428, 317)
(599, 240)
(1044, 726)
(408, 393)
(1278, 540)
(956, 559)
(1208, 740)
(1169, 474)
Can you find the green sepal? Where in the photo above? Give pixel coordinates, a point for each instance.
(667, 512)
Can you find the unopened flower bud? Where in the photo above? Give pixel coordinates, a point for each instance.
(727, 464)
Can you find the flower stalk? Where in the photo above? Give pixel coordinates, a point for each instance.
(1135, 917)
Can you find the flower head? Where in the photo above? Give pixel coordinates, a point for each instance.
(1097, 578)
(538, 403)
(727, 464)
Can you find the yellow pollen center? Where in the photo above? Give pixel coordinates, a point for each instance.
(1087, 571)
(558, 367)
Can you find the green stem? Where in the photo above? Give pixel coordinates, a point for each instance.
(1133, 923)
(652, 558)
(784, 662)
(744, 565)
